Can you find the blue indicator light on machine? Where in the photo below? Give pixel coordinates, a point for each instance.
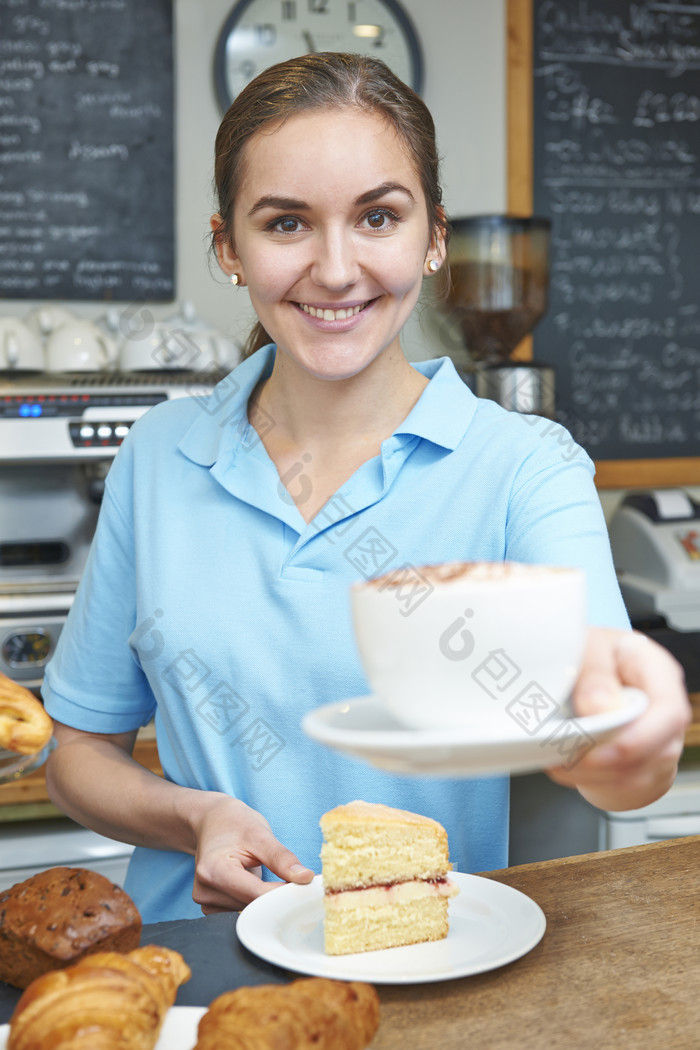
(36, 410)
(24, 410)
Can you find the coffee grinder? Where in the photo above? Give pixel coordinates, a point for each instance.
(499, 268)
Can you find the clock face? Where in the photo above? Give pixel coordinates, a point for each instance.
(259, 33)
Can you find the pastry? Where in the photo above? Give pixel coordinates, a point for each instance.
(25, 726)
(53, 919)
(384, 878)
(308, 1014)
(107, 1001)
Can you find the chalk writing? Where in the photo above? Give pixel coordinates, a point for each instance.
(86, 149)
(617, 168)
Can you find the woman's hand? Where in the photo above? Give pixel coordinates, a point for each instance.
(93, 778)
(638, 764)
(233, 842)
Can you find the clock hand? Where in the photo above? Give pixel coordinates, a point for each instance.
(308, 40)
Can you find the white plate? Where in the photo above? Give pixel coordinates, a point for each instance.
(179, 1031)
(366, 729)
(491, 924)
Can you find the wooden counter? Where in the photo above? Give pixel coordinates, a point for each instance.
(27, 798)
(618, 966)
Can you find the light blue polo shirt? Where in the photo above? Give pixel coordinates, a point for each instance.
(209, 603)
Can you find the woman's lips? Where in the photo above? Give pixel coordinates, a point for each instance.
(337, 318)
(331, 314)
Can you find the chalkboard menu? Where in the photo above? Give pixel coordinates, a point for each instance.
(86, 149)
(616, 166)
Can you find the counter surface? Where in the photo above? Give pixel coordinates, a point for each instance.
(618, 966)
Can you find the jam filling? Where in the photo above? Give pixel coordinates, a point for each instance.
(436, 881)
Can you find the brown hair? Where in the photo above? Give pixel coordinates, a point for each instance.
(320, 81)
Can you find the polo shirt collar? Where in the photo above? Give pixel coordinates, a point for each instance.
(445, 408)
(223, 423)
(441, 415)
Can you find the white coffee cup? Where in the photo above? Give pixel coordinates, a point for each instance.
(46, 318)
(171, 348)
(20, 348)
(79, 346)
(216, 351)
(472, 644)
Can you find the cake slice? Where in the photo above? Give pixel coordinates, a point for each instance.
(384, 878)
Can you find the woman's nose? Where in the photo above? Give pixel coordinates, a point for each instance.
(336, 263)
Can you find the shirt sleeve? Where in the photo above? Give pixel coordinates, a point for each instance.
(93, 681)
(555, 518)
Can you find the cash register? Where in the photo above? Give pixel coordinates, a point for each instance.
(655, 539)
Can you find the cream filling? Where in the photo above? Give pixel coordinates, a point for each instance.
(397, 893)
(332, 315)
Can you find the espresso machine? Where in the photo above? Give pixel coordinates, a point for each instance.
(498, 291)
(58, 437)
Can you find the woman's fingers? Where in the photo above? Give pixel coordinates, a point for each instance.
(239, 888)
(230, 857)
(599, 687)
(637, 764)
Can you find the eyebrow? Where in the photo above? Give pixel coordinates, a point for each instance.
(382, 191)
(291, 204)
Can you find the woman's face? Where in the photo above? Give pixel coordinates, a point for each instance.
(332, 237)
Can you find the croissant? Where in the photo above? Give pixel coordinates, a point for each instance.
(107, 1001)
(24, 725)
(308, 1014)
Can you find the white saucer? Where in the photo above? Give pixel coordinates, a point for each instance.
(366, 729)
(491, 924)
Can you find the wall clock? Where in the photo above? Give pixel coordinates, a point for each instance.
(259, 33)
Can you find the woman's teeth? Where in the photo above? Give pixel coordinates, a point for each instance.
(332, 315)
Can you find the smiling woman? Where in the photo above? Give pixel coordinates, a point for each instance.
(331, 243)
(232, 527)
(335, 85)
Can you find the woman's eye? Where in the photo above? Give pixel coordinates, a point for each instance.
(381, 219)
(288, 224)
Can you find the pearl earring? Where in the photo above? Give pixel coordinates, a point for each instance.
(433, 265)
(233, 278)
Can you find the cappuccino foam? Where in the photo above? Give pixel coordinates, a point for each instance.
(471, 571)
